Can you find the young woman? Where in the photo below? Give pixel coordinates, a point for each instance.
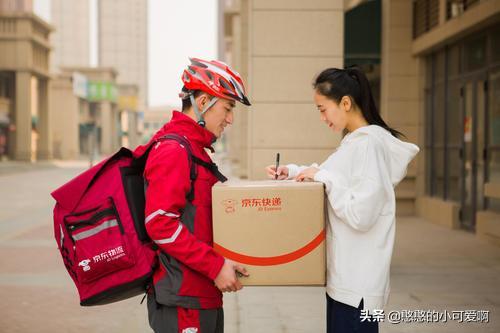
(359, 177)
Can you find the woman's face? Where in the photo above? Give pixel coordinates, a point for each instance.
(331, 113)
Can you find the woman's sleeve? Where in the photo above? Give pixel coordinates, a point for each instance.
(294, 170)
(358, 201)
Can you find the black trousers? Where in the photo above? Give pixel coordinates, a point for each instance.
(343, 318)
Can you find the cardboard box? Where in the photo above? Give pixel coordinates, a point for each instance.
(276, 229)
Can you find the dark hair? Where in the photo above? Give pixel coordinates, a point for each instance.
(186, 102)
(335, 83)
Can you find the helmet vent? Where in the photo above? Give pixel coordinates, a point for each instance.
(199, 64)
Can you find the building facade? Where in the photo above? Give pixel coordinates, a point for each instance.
(71, 38)
(154, 118)
(86, 122)
(457, 46)
(278, 46)
(123, 42)
(435, 74)
(95, 131)
(25, 132)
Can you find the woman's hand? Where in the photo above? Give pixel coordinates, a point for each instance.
(282, 172)
(307, 174)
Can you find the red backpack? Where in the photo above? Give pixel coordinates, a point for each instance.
(99, 228)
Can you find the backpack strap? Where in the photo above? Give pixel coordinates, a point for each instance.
(140, 162)
(212, 167)
(192, 168)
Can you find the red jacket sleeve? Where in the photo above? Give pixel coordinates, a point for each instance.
(167, 175)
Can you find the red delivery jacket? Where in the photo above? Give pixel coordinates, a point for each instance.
(182, 230)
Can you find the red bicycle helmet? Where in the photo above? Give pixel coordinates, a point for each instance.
(215, 78)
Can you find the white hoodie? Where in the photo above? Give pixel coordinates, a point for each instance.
(360, 177)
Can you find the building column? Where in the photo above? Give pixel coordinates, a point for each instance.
(65, 118)
(44, 124)
(399, 102)
(117, 142)
(238, 133)
(133, 135)
(290, 42)
(22, 150)
(107, 127)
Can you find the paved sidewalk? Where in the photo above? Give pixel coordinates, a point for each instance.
(433, 269)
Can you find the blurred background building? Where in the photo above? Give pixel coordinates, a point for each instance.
(71, 38)
(25, 132)
(106, 109)
(154, 119)
(123, 42)
(122, 27)
(434, 66)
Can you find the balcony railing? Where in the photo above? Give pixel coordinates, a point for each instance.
(425, 16)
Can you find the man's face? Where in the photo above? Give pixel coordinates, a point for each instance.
(219, 116)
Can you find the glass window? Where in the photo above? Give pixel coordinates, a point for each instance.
(439, 114)
(495, 44)
(475, 53)
(440, 66)
(494, 177)
(435, 103)
(494, 110)
(494, 129)
(454, 123)
(438, 170)
(428, 143)
(454, 60)
(428, 71)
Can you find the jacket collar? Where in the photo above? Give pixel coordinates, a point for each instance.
(184, 125)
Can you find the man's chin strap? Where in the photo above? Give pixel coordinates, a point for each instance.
(199, 115)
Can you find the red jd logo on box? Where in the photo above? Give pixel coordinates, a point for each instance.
(259, 204)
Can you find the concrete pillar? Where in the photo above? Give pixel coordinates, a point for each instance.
(238, 134)
(45, 143)
(107, 122)
(116, 128)
(290, 42)
(399, 102)
(22, 150)
(64, 119)
(132, 129)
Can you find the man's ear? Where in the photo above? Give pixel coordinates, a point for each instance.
(201, 101)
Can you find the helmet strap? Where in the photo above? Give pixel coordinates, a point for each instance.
(199, 115)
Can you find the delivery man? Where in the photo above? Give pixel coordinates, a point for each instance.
(190, 276)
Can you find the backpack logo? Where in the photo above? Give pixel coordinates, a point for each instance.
(190, 330)
(85, 264)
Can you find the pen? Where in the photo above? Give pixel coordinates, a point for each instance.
(277, 165)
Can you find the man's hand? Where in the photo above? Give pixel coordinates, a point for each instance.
(226, 280)
(282, 172)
